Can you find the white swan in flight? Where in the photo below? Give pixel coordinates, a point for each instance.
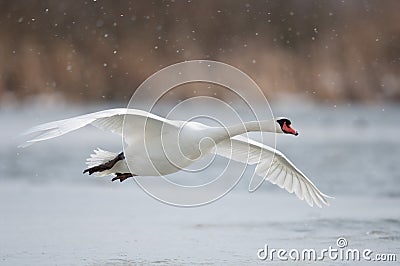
(157, 146)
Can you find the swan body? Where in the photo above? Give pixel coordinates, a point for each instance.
(158, 146)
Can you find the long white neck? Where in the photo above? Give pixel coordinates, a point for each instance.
(222, 133)
(263, 126)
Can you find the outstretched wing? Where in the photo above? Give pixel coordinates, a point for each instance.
(274, 165)
(137, 121)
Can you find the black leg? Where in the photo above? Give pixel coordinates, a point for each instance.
(105, 166)
(122, 177)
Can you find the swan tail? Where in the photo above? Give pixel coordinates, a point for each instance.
(101, 158)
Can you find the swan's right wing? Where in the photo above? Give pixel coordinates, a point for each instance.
(273, 165)
(110, 120)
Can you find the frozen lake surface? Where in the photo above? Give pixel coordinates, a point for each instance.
(51, 214)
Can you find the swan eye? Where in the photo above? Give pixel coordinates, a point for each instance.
(284, 121)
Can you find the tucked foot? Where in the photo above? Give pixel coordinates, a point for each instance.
(122, 177)
(105, 166)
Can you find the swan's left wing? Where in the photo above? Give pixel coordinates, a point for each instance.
(137, 122)
(274, 165)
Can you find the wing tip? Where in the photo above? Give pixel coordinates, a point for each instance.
(327, 196)
(26, 144)
(322, 198)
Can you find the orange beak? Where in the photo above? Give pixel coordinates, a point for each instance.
(289, 130)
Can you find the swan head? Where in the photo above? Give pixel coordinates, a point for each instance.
(284, 126)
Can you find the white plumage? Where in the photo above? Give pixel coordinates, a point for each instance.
(158, 146)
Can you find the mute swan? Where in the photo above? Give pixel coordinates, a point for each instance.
(158, 146)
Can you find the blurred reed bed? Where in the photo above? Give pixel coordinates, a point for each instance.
(102, 50)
